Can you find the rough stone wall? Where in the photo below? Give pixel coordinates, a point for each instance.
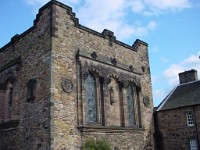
(114, 109)
(66, 41)
(47, 53)
(188, 76)
(29, 128)
(173, 129)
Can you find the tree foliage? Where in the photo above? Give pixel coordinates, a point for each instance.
(92, 144)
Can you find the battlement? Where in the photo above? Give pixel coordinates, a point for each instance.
(107, 34)
(60, 80)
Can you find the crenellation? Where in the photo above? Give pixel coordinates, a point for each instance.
(75, 83)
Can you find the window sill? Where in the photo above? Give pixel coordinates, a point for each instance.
(30, 99)
(9, 124)
(109, 129)
(190, 126)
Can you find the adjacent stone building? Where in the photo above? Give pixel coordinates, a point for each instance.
(62, 83)
(177, 122)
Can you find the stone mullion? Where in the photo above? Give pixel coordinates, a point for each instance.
(98, 99)
(79, 97)
(10, 109)
(1, 105)
(138, 96)
(102, 99)
(106, 102)
(121, 101)
(135, 106)
(16, 102)
(6, 115)
(14, 105)
(124, 91)
(84, 114)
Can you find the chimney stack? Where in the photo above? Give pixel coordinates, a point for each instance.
(188, 76)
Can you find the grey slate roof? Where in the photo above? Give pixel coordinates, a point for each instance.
(186, 94)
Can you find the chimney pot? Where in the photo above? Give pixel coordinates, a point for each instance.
(188, 76)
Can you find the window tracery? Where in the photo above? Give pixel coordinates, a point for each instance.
(107, 96)
(9, 88)
(7, 98)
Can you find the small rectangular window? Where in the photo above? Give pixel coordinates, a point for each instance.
(190, 119)
(31, 90)
(193, 144)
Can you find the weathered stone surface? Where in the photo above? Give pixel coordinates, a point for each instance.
(55, 119)
(33, 48)
(172, 131)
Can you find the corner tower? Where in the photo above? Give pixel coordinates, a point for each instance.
(101, 86)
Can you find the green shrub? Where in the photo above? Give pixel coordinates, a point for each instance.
(92, 144)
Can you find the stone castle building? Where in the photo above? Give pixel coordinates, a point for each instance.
(177, 122)
(62, 83)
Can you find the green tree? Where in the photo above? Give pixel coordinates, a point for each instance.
(92, 144)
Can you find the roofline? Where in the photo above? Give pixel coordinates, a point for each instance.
(76, 24)
(189, 82)
(165, 100)
(192, 105)
(159, 107)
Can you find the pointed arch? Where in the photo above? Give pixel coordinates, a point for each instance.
(7, 97)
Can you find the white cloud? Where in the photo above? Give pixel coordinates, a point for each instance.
(137, 6)
(160, 94)
(170, 77)
(169, 4)
(171, 73)
(39, 3)
(193, 59)
(149, 7)
(101, 14)
(36, 4)
(112, 14)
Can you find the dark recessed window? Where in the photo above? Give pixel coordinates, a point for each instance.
(31, 90)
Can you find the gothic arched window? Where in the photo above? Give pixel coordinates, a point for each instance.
(91, 99)
(131, 103)
(8, 98)
(9, 101)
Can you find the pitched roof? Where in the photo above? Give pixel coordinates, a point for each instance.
(186, 94)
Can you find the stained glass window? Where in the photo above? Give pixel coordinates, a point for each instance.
(91, 99)
(130, 98)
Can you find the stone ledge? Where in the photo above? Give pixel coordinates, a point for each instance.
(76, 23)
(108, 61)
(9, 124)
(17, 60)
(110, 129)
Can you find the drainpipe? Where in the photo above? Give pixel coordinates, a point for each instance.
(196, 127)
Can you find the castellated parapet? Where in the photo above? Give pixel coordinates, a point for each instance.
(62, 83)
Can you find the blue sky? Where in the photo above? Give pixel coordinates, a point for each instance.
(170, 27)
